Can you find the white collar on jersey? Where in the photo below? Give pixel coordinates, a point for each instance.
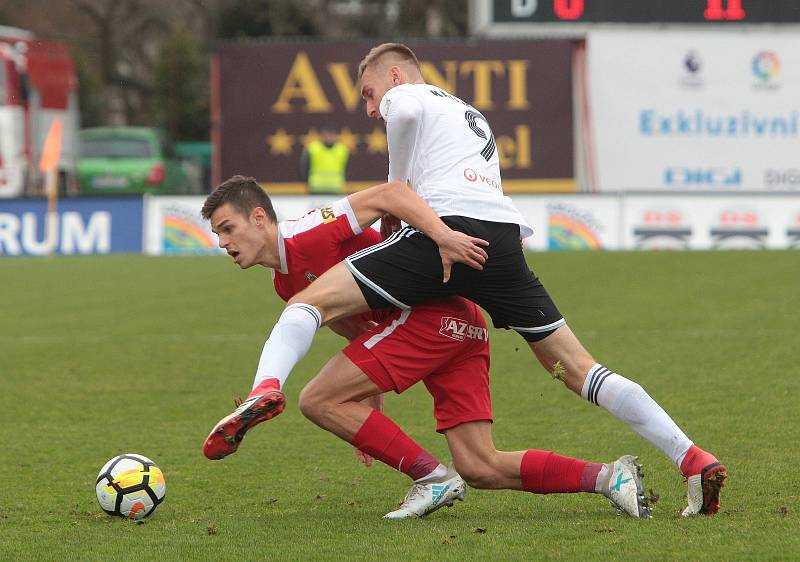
(282, 252)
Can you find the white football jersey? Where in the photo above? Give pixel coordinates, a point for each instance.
(452, 163)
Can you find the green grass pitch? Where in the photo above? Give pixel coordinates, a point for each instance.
(105, 355)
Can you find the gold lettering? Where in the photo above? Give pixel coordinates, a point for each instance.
(517, 84)
(482, 71)
(348, 89)
(523, 133)
(515, 152)
(302, 83)
(448, 82)
(506, 150)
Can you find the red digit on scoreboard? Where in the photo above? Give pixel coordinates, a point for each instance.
(568, 9)
(715, 12)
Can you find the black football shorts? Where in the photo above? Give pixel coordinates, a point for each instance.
(406, 269)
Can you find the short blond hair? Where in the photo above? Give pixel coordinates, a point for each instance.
(397, 51)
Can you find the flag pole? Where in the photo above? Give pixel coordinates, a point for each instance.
(48, 165)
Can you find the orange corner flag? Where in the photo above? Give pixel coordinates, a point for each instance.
(52, 147)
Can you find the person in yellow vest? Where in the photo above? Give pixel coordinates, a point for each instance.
(323, 163)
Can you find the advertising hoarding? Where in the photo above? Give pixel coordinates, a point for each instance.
(174, 226)
(561, 222)
(571, 222)
(80, 226)
(273, 98)
(695, 111)
(711, 222)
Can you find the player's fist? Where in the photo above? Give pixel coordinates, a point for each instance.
(389, 225)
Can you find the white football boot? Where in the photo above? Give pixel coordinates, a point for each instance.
(624, 488)
(428, 496)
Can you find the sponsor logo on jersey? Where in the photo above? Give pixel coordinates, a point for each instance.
(472, 176)
(327, 214)
(458, 329)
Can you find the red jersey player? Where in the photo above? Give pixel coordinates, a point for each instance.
(443, 343)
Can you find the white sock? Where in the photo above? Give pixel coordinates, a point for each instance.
(288, 343)
(437, 473)
(629, 402)
(603, 478)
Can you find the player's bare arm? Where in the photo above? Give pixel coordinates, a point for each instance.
(397, 199)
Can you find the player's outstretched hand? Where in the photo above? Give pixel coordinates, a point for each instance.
(457, 247)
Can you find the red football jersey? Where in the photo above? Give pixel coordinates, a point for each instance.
(312, 244)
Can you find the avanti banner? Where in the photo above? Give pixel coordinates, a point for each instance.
(272, 98)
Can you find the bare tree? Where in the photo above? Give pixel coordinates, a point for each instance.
(118, 44)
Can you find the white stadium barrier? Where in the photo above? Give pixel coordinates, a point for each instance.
(599, 221)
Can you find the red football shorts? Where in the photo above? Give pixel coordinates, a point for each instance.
(445, 344)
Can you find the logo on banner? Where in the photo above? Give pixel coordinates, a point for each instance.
(699, 124)
(766, 67)
(662, 229)
(793, 232)
(692, 66)
(30, 233)
(681, 176)
(569, 228)
(739, 229)
(184, 232)
(782, 178)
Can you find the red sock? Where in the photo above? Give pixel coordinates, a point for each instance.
(382, 439)
(264, 386)
(545, 472)
(589, 476)
(695, 461)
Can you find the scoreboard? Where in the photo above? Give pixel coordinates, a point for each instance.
(575, 17)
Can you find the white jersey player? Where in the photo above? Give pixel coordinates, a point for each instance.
(445, 148)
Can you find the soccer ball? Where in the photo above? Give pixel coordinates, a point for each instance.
(130, 485)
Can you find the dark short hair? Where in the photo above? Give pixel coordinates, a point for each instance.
(243, 193)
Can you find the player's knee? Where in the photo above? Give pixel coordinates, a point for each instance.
(304, 298)
(312, 404)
